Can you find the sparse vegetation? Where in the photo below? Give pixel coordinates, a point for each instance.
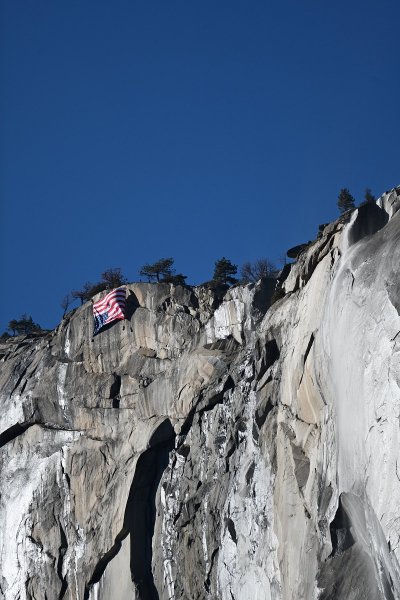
(178, 279)
(159, 270)
(113, 278)
(24, 325)
(162, 271)
(261, 268)
(368, 196)
(110, 279)
(345, 201)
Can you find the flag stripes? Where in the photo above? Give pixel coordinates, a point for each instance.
(108, 309)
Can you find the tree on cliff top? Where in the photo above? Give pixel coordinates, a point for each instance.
(224, 271)
(369, 197)
(257, 270)
(88, 290)
(113, 278)
(24, 325)
(345, 201)
(110, 279)
(161, 270)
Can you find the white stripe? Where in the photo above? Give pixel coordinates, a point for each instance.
(117, 295)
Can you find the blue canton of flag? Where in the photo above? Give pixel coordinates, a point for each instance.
(99, 321)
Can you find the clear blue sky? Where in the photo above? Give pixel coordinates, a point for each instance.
(136, 130)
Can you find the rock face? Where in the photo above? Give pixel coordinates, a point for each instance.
(214, 448)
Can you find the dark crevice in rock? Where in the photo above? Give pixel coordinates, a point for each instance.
(13, 432)
(61, 553)
(68, 480)
(193, 300)
(269, 353)
(219, 397)
(393, 338)
(189, 420)
(207, 583)
(178, 514)
(227, 345)
(20, 378)
(115, 391)
(232, 530)
(250, 473)
(140, 514)
(262, 412)
(231, 450)
(131, 305)
(183, 450)
(18, 429)
(307, 352)
(262, 296)
(341, 536)
(255, 433)
(188, 512)
(283, 275)
(240, 430)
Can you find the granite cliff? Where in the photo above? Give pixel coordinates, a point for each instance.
(214, 448)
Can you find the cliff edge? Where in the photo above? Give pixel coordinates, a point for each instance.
(214, 448)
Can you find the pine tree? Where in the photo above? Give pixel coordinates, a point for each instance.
(345, 201)
(13, 325)
(159, 271)
(24, 325)
(113, 278)
(223, 272)
(369, 197)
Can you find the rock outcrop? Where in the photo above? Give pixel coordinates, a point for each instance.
(214, 448)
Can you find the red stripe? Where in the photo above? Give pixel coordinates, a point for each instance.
(111, 296)
(117, 295)
(112, 317)
(115, 310)
(108, 305)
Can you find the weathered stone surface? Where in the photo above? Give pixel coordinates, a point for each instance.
(214, 449)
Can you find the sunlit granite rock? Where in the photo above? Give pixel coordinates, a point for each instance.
(214, 448)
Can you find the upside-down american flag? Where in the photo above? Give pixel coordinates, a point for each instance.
(108, 309)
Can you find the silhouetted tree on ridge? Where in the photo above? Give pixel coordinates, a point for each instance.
(24, 325)
(158, 271)
(252, 272)
(345, 201)
(224, 271)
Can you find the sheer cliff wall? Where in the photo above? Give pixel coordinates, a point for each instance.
(211, 448)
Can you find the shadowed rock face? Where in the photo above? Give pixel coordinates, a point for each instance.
(207, 449)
